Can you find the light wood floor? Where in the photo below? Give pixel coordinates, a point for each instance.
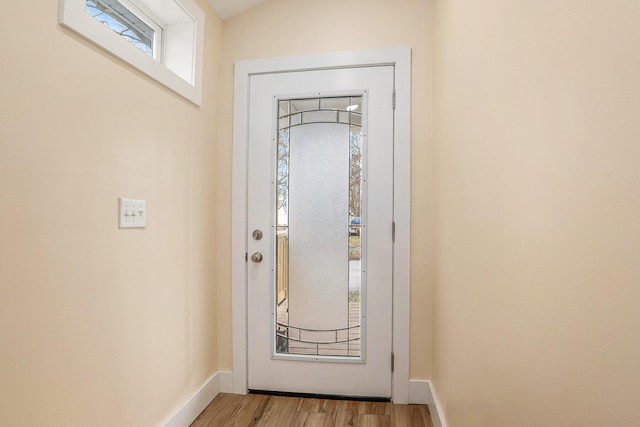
(275, 411)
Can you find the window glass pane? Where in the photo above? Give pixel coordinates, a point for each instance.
(355, 238)
(320, 117)
(318, 241)
(296, 119)
(283, 122)
(304, 105)
(334, 103)
(283, 108)
(355, 105)
(282, 165)
(356, 119)
(121, 20)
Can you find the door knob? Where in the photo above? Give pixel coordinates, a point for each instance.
(256, 257)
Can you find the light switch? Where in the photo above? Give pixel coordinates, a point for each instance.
(133, 213)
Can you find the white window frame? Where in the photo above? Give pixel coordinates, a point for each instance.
(148, 17)
(179, 65)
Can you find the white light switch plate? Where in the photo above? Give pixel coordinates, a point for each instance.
(133, 213)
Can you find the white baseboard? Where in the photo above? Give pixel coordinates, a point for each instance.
(435, 408)
(422, 392)
(419, 392)
(226, 381)
(190, 409)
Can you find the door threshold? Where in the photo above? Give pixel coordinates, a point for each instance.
(321, 396)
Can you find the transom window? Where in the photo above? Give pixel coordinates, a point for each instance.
(162, 38)
(129, 21)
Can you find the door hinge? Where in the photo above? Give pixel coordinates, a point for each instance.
(393, 231)
(393, 102)
(393, 360)
(246, 257)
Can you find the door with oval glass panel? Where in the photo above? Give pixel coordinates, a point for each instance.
(320, 212)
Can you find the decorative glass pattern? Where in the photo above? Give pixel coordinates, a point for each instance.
(319, 218)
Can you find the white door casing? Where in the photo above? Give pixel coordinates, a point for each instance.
(370, 374)
(400, 59)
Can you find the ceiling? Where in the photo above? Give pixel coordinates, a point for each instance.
(225, 9)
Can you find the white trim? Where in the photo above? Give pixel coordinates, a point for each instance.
(401, 59)
(420, 392)
(181, 68)
(435, 407)
(402, 218)
(226, 381)
(194, 406)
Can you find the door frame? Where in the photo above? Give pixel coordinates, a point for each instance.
(400, 58)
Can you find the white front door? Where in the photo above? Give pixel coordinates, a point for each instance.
(319, 231)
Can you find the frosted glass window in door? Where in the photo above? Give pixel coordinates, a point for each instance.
(320, 227)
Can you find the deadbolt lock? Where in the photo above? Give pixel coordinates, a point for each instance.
(257, 234)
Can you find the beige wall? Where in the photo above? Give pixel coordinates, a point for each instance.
(538, 212)
(294, 27)
(100, 326)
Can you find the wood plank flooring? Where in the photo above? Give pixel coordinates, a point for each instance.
(229, 410)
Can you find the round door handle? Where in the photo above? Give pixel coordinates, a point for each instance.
(256, 257)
